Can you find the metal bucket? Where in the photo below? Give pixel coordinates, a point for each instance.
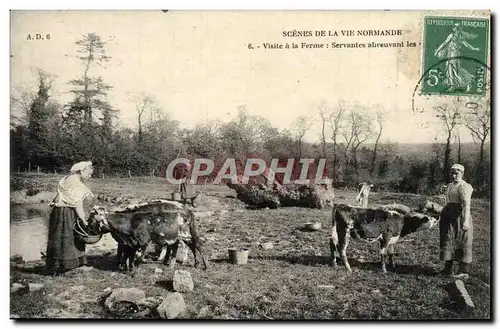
(238, 256)
(176, 196)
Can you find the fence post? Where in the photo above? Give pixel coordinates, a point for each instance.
(129, 174)
(29, 166)
(37, 169)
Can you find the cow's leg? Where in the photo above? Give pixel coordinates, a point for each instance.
(121, 257)
(390, 250)
(343, 252)
(390, 253)
(183, 250)
(383, 252)
(161, 251)
(131, 259)
(344, 236)
(173, 260)
(197, 246)
(203, 257)
(166, 260)
(334, 241)
(194, 245)
(140, 255)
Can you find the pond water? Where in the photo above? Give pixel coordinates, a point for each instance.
(29, 231)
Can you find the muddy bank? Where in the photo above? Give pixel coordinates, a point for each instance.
(24, 196)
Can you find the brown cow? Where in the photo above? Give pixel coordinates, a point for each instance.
(373, 224)
(164, 222)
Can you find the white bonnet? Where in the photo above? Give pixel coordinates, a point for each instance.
(80, 166)
(458, 167)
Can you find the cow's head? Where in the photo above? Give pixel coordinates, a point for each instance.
(98, 218)
(414, 222)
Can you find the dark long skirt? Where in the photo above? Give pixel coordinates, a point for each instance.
(63, 251)
(455, 243)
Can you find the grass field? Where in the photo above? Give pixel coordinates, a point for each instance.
(293, 280)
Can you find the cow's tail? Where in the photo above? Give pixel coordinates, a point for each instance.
(334, 237)
(334, 212)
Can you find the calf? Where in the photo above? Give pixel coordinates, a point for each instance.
(175, 226)
(373, 224)
(161, 221)
(364, 191)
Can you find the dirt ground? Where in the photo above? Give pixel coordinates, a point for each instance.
(293, 280)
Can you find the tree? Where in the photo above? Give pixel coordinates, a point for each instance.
(336, 123)
(89, 91)
(357, 131)
(142, 102)
(20, 102)
(478, 123)
(40, 117)
(459, 143)
(449, 114)
(245, 134)
(89, 117)
(301, 125)
(379, 118)
(322, 113)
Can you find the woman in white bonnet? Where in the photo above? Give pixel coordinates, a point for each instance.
(455, 227)
(63, 251)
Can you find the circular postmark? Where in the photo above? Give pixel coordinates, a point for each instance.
(460, 86)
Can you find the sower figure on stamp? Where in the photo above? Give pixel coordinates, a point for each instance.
(455, 227)
(456, 76)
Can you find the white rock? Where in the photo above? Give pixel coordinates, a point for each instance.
(182, 281)
(461, 296)
(15, 287)
(124, 294)
(172, 306)
(35, 286)
(267, 245)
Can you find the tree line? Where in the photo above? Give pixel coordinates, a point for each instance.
(52, 136)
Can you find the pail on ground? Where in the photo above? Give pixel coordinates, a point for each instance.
(238, 256)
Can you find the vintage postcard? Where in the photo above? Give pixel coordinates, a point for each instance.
(250, 165)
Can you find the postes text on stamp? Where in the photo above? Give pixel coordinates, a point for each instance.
(454, 55)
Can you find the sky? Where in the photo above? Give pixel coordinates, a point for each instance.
(198, 67)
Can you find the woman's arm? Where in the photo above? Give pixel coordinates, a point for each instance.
(441, 46)
(81, 213)
(465, 194)
(468, 45)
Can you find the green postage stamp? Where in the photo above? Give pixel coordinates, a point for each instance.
(455, 55)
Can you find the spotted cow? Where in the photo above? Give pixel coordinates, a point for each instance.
(373, 224)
